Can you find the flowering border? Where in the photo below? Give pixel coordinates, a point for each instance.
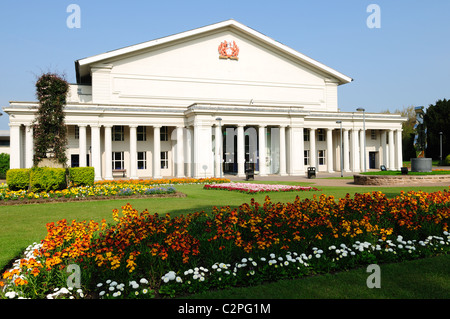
(252, 188)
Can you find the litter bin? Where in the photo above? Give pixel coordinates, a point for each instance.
(250, 172)
(311, 172)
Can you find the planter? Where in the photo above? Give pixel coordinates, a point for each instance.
(421, 164)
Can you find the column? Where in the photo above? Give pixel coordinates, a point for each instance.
(399, 149)
(362, 150)
(241, 150)
(354, 150)
(383, 149)
(218, 151)
(189, 145)
(133, 152)
(180, 152)
(283, 150)
(108, 152)
(14, 149)
(391, 164)
(330, 160)
(346, 151)
(203, 151)
(82, 144)
(29, 146)
(156, 152)
(312, 148)
(95, 146)
(262, 150)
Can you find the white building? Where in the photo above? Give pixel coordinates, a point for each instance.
(152, 109)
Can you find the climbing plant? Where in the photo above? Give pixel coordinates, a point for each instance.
(49, 129)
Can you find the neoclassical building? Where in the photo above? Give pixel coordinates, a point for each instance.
(207, 102)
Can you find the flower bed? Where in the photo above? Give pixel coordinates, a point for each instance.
(259, 188)
(164, 256)
(103, 190)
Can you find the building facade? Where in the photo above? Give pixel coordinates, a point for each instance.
(209, 102)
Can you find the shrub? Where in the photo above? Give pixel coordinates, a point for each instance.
(81, 176)
(447, 160)
(47, 179)
(18, 178)
(4, 164)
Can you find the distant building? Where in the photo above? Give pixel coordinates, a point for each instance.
(4, 141)
(153, 110)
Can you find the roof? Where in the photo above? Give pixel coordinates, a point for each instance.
(82, 65)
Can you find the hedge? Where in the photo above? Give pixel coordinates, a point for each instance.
(81, 176)
(447, 160)
(47, 179)
(18, 178)
(4, 164)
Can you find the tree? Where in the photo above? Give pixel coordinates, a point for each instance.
(49, 129)
(437, 119)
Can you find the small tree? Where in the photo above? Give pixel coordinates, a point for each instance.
(50, 133)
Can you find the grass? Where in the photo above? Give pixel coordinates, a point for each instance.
(24, 224)
(417, 279)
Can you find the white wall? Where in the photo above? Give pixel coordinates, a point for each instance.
(191, 72)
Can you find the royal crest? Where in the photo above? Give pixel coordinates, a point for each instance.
(228, 50)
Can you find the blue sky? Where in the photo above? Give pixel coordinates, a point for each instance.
(405, 62)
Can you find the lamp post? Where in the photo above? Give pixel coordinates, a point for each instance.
(440, 149)
(220, 153)
(342, 151)
(360, 109)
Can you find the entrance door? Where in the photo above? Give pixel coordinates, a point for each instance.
(372, 159)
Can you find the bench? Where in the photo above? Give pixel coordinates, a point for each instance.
(123, 171)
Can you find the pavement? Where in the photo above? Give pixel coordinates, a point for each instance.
(328, 179)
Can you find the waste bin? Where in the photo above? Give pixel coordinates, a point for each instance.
(311, 172)
(250, 171)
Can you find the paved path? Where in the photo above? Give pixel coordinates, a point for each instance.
(327, 179)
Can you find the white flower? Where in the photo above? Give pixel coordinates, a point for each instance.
(143, 281)
(178, 279)
(10, 294)
(99, 285)
(244, 260)
(101, 293)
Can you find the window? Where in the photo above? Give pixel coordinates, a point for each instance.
(117, 160)
(141, 133)
(75, 160)
(305, 134)
(306, 157)
(141, 160)
(373, 134)
(164, 136)
(118, 134)
(321, 157)
(321, 135)
(165, 160)
(77, 132)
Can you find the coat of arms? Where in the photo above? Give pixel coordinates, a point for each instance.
(228, 50)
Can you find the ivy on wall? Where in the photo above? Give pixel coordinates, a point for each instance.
(49, 129)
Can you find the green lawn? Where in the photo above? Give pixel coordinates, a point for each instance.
(416, 279)
(21, 225)
(24, 224)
